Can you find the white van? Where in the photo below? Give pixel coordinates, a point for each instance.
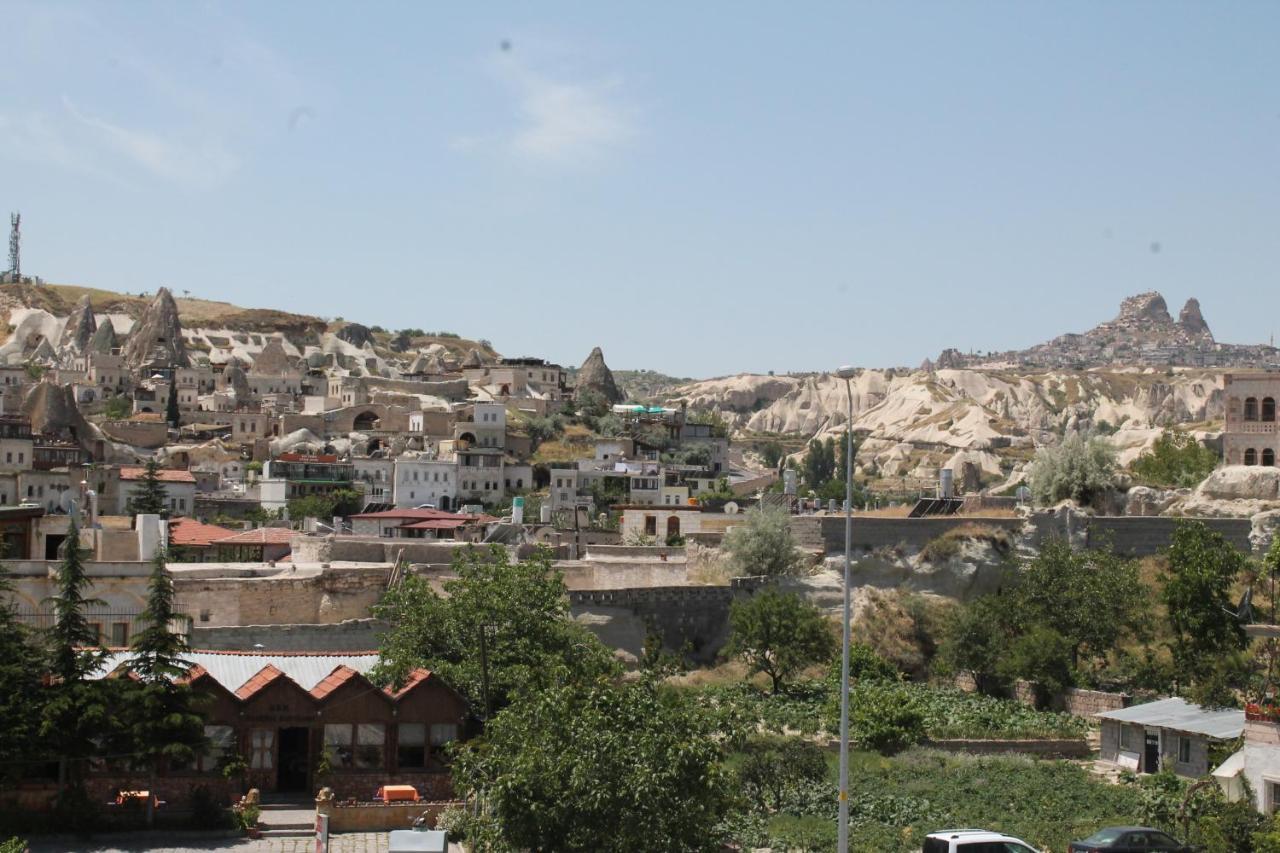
(974, 841)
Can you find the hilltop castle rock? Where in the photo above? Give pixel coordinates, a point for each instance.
(1142, 334)
(595, 375)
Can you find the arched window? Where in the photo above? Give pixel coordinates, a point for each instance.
(1251, 457)
(673, 527)
(1251, 408)
(1269, 457)
(1268, 408)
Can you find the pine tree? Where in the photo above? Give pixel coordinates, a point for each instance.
(21, 694)
(163, 723)
(149, 497)
(171, 408)
(78, 709)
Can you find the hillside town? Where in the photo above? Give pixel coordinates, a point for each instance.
(529, 428)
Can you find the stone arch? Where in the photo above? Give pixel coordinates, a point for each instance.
(1268, 457)
(1251, 457)
(445, 503)
(365, 421)
(1250, 408)
(469, 438)
(1268, 408)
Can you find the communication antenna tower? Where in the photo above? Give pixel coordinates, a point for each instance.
(15, 246)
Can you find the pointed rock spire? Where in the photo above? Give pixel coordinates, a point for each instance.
(158, 334)
(80, 328)
(595, 375)
(104, 339)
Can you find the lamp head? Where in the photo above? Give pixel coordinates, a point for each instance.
(848, 371)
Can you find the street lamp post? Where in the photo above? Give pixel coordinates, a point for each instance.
(842, 831)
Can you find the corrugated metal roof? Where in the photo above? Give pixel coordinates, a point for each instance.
(233, 669)
(1183, 716)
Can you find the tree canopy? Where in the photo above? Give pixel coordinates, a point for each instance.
(779, 634)
(1175, 460)
(599, 767)
(1081, 468)
(763, 544)
(149, 496)
(509, 618)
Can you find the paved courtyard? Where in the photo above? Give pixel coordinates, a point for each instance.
(359, 842)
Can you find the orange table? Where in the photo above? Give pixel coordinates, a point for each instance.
(397, 793)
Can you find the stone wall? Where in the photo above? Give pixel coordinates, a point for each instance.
(870, 533)
(384, 817)
(351, 635)
(324, 596)
(1141, 536)
(1041, 748)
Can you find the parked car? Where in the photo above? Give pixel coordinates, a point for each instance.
(974, 841)
(1130, 839)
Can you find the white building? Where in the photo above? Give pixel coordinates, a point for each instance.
(420, 481)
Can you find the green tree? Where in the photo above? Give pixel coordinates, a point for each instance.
(149, 496)
(773, 766)
(884, 716)
(1081, 468)
(1175, 460)
(325, 506)
(540, 429)
(819, 463)
(779, 634)
(78, 710)
(118, 408)
(507, 621)
(762, 544)
(163, 722)
(771, 454)
(599, 767)
(974, 638)
(1196, 590)
(1041, 656)
(1093, 599)
(21, 694)
(171, 413)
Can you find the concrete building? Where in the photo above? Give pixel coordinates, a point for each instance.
(1170, 734)
(421, 481)
(179, 489)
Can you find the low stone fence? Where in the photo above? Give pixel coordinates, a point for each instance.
(1074, 700)
(1039, 747)
(381, 817)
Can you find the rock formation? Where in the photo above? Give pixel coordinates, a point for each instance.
(53, 412)
(594, 375)
(80, 329)
(233, 377)
(157, 335)
(473, 359)
(1192, 322)
(272, 360)
(355, 334)
(104, 339)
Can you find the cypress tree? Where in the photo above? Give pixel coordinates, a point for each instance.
(171, 413)
(163, 725)
(21, 693)
(79, 708)
(149, 497)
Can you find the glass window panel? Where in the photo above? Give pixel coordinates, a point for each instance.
(413, 734)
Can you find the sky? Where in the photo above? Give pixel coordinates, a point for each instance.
(698, 188)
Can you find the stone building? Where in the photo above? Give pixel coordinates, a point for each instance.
(1170, 734)
(1250, 437)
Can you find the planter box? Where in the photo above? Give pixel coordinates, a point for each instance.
(384, 817)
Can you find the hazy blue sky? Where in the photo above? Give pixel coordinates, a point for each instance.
(700, 188)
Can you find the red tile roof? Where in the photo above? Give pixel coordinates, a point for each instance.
(166, 475)
(420, 514)
(195, 534)
(259, 536)
(416, 677)
(265, 676)
(435, 524)
(341, 675)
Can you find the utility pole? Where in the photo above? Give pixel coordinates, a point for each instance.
(15, 247)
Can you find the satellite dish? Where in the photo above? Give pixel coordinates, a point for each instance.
(731, 508)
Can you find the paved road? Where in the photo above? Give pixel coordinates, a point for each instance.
(359, 842)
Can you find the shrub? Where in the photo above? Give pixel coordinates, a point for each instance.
(207, 811)
(1175, 460)
(1081, 468)
(762, 544)
(940, 549)
(885, 717)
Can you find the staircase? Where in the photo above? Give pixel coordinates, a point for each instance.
(288, 817)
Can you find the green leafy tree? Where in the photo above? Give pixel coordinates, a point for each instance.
(1081, 468)
(325, 506)
(763, 544)
(974, 638)
(149, 496)
(1041, 656)
(118, 408)
(884, 716)
(771, 454)
(1196, 590)
(773, 766)
(819, 463)
(544, 428)
(163, 722)
(1175, 460)
(21, 694)
(507, 621)
(599, 767)
(1092, 599)
(778, 634)
(171, 413)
